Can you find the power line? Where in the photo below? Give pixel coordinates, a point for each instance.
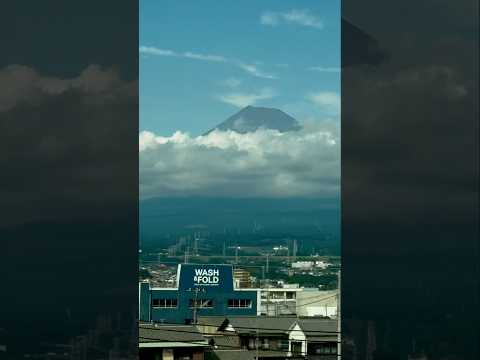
(224, 334)
(313, 302)
(199, 342)
(306, 298)
(253, 328)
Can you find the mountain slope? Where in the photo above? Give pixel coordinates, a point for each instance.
(252, 118)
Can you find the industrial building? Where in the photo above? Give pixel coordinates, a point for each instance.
(201, 290)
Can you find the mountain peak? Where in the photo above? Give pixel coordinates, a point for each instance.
(252, 118)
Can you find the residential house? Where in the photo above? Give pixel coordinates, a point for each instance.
(270, 337)
(166, 342)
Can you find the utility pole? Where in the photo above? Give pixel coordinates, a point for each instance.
(267, 269)
(256, 342)
(339, 318)
(236, 247)
(195, 244)
(186, 255)
(195, 301)
(288, 253)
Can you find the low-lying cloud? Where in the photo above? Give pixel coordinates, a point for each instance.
(265, 163)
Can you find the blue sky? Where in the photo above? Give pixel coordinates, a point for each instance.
(201, 61)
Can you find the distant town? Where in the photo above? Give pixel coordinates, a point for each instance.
(276, 264)
(209, 296)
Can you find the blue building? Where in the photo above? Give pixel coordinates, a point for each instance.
(201, 290)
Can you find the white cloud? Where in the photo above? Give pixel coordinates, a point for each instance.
(269, 18)
(251, 69)
(244, 99)
(298, 17)
(265, 163)
(232, 82)
(150, 50)
(255, 71)
(328, 101)
(203, 57)
(325, 69)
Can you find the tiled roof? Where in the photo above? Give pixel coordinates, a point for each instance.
(314, 327)
(244, 354)
(167, 333)
(269, 325)
(230, 355)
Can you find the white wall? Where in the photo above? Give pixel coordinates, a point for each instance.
(317, 303)
(296, 334)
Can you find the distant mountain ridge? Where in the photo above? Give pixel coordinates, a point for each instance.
(170, 215)
(252, 118)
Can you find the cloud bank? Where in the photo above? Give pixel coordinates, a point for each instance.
(265, 163)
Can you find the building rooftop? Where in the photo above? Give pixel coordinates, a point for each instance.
(279, 325)
(177, 335)
(313, 329)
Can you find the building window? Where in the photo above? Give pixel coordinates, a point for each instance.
(296, 347)
(239, 303)
(277, 295)
(283, 344)
(164, 303)
(290, 295)
(201, 303)
(327, 348)
(265, 344)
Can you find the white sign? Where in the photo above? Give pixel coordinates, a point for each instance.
(206, 277)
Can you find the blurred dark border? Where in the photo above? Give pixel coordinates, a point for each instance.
(410, 180)
(69, 183)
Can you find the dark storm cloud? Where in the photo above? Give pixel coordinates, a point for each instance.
(59, 149)
(410, 181)
(69, 181)
(362, 50)
(410, 125)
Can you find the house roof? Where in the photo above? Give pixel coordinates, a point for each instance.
(213, 321)
(227, 342)
(316, 329)
(233, 355)
(173, 336)
(248, 324)
(265, 325)
(247, 354)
